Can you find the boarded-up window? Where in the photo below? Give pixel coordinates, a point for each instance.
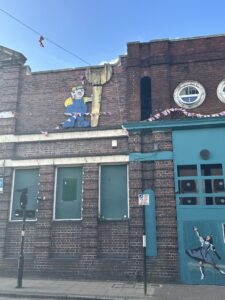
(68, 196)
(113, 192)
(69, 189)
(25, 179)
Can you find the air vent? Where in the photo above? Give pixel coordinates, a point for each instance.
(220, 200)
(218, 185)
(188, 201)
(187, 186)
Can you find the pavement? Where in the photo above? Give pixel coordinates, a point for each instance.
(40, 288)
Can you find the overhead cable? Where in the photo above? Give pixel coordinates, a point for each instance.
(46, 38)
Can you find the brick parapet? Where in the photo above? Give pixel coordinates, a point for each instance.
(9, 96)
(42, 96)
(5, 207)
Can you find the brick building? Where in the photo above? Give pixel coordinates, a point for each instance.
(86, 142)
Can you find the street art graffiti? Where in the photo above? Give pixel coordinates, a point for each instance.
(76, 109)
(205, 254)
(76, 104)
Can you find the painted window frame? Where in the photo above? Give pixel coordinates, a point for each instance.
(12, 196)
(220, 91)
(55, 194)
(99, 198)
(185, 84)
(200, 194)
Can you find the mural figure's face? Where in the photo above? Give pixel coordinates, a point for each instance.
(208, 237)
(77, 93)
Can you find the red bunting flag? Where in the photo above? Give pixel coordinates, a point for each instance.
(41, 39)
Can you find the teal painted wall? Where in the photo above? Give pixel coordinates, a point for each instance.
(150, 225)
(151, 156)
(187, 144)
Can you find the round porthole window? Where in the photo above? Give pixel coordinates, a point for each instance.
(189, 94)
(221, 91)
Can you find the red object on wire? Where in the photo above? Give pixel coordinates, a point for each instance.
(41, 39)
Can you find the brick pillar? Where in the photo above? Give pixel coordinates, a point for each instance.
(89, 219)
(9, 94)
(165, 266)
(44, 217)
(136, 222)
(4, 207)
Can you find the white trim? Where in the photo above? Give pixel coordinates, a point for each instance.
(99, 190)
(54, 196)
(7, 114)
(220, 92)
(46, 137)
(11, 198)
(197, 102)
(128, 192)
(65, 161)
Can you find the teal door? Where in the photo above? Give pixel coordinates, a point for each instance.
(199, 169)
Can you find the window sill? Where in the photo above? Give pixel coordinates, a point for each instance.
(112, 258)
(64, 257)
(102, 220)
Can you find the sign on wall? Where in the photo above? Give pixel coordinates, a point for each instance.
(143, 199)
(7, 114)
(1, 185)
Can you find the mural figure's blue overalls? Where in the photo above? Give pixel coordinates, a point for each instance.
(76, 109)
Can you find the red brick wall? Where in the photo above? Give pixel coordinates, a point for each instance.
(69, 149)
(10, 78)
(168, 63)
(159, 177)
(42, 96)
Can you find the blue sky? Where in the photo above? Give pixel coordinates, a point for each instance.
(99, 30)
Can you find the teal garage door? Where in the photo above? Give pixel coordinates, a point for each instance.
(199, 167)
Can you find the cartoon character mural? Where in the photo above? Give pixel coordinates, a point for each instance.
(76, 105)
(205, 254)
(76, 109)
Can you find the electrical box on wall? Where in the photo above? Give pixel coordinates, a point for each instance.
(1, 184)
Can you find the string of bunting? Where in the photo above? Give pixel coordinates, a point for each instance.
(75, 115)
(167, 112)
